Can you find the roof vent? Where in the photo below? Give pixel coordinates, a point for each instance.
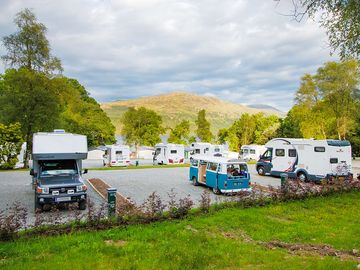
(59, 131)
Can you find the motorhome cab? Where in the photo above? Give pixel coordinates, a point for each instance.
(221, 174)
(169, 154)
(307, 159)
(201, 148)
(251, 152)
(116, 155)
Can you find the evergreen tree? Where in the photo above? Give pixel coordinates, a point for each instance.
(203, 127)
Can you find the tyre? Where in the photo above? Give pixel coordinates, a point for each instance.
(38, 206)
(82, 205)
(302, 177)
(261, 170)
(216, 191)
(194, 181)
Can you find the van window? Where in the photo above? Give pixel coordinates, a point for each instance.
(212, 166)
(319, 149)
(252, 151)
(118, 152)
(280, 152)
(173, 151)
(267, 154)
(197, 151)
(245, 151)
(194, 162)
(217, 150)
(292, 152)
(334, 160)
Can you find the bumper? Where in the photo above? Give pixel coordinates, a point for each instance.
(235, 190)
(63, 198)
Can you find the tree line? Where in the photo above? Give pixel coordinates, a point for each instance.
(35, 96)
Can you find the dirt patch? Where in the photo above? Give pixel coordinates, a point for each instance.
(115, 243)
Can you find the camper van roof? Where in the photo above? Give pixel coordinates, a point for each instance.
(218, 159)
(310, 141)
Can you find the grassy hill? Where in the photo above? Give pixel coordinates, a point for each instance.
(178, 106)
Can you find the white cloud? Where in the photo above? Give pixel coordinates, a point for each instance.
(245, 50)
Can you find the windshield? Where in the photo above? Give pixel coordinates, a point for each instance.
(56, 167)
(236, 170)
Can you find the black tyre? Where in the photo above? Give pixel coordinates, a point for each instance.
(216, 191)
(302, 177)
(38, 206)
(261, 170)
(194, 181)
(82, 205)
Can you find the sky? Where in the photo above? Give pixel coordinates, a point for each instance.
(246, 52)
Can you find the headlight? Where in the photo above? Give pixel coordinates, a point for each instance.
(44, 190)
(81, 188)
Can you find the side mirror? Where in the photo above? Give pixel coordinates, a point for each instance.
(85, 171)
(32, 172)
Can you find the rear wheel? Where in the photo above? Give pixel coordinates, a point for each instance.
(194, 181)
(261, 170)
(302, 177)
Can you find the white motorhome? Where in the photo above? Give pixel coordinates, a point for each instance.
(251, 152)
(169, 154)
(307, 159)
(117, 155)
(57, 168)
(202, 148)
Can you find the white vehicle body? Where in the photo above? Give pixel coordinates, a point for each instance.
(251, 152)
(117, 155)
(169, 153)
(208, 149)
(307, 159)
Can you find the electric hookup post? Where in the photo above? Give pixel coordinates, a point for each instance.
(284, 178)
(111, 201)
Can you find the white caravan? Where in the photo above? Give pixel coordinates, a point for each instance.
(116, 155)
(251, 152)
(208, 149)
(169, 154)
(307, 159)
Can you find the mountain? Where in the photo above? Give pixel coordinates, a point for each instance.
(177, 106)
(265, 107)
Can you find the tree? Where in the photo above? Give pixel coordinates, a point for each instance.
(141, 127)
(222, 135)
(340, 18)
(203, 127)
(10, 145)
(180, 133)
(28, 47)
(29, 98)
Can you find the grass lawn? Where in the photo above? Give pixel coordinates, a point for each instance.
(227, 239)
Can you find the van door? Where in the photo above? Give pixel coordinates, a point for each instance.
(211, 174)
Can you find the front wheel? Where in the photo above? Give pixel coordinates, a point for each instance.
(82, 205)
(261, 170)
(302, 177)
(216, 191)
(194, 181)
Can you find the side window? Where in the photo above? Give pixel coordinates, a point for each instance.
(334, 160)
(194, 162)
(280, 152)
(212, 166)
(292, 152)
(173, 151)
(252, 151)
(118, 152)
(319, 149)
(267, 154)
(197, 151)
(206, 150)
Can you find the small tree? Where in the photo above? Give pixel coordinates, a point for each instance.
(141, 127)
(10, 145)
(180, 133)
(203, 127)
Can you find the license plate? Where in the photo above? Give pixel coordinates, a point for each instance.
(63, 199)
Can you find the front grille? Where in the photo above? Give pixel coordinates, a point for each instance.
(63, 190)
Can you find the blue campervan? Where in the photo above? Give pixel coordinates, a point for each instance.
(221, 174)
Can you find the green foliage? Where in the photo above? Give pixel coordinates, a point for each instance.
(222, 135)
(10, 145)
(250, 129)
(326, 103)
(141, 127)
(28, 47)
(203, 127)
(180, 134)
(341, 19)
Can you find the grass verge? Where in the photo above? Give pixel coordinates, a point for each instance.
(231, 238)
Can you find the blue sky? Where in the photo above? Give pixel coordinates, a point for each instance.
(246, 52)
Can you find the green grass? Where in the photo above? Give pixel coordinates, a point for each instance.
(139, 167)
(212, 241)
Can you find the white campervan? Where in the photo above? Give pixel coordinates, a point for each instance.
(251, 152)
(116, 155)
(307, 159)
(208, 149)
(169, 154)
